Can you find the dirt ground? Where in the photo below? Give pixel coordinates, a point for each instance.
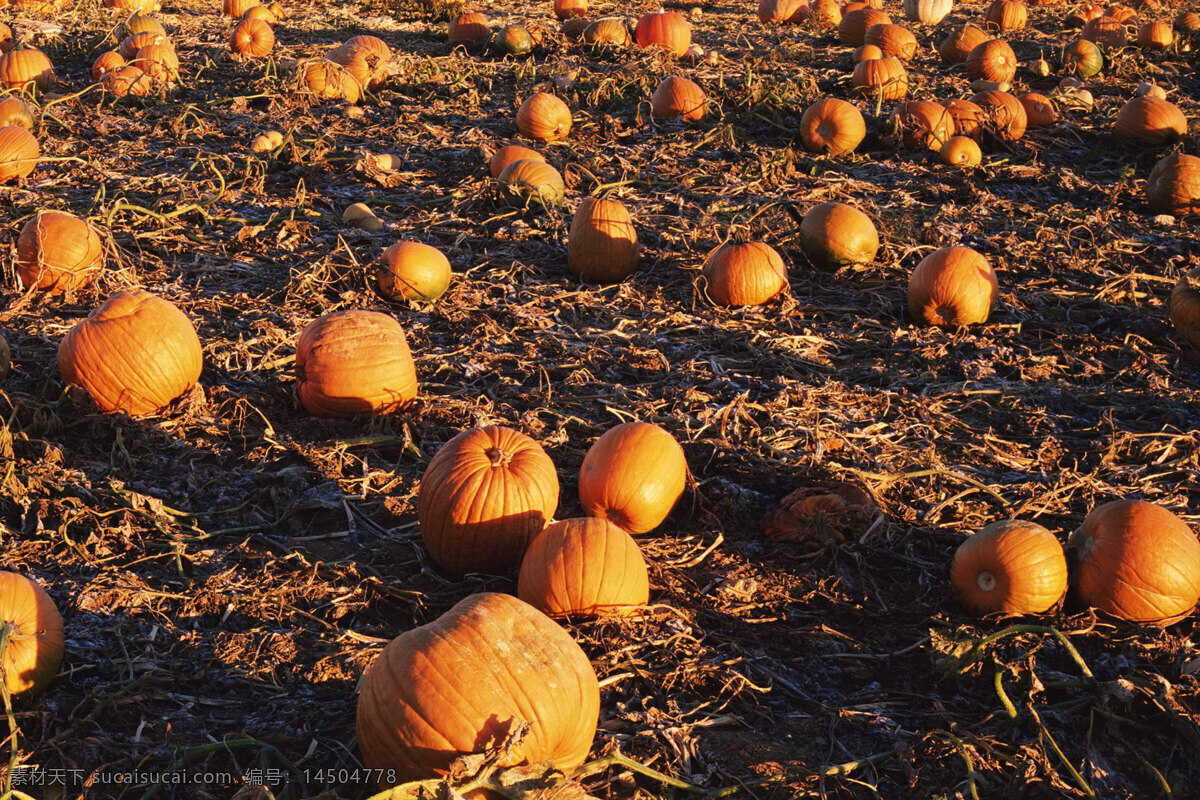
(227, 569)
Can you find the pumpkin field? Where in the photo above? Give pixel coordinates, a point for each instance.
(571, 399)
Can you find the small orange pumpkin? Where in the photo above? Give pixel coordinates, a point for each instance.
(413, 271)
(955, 48)
(508, 154)
(961, 151)
(852, 30)
(882, 78)
(19, 153)
(994, 60)
(951, 287)
(565, 9)
(484, 496)
(22, 68)
(57, 252)
(32, 649)
(922, 124)
(746, 274)
(583, 567)
(782, 12)
(543, 117)
(1137, 561)
(632, 476)
(1150, 121)
(528, 181)
(667, 29)
(470, 27)
(832, 126)
(603, 246)
(252, 37)
(1005, 15)
(135, 353)
(1174, 185)
(106, 61)
(1006, 114)
(1155, 36)
(15, 111)
(354, 362)
(834, 234)
(1010, 566)
(1039, 110)
(678, 97)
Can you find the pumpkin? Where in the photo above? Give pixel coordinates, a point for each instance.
(824, 14)
(31, 647)
(678, 97)
(139, 6)
(57, 251)
(1082, 58)
(327, 80)
(15, 111)
(667, 29)
(1082, 15)
(1155, 36)
(583, 567)
(6, 38)
(1137, 561)
(603, 247)
(354, 362)
(922, 124)
(1006, 114)
(159, 62)
(484, 496)
(1188, 21)
(18, 153)
(1120, 13)
(834, 235)
(1005, 15)
(252, 37)
(20, 68)
(779, 12)
(1107, 32)
(260, 13)
(1185, 310)
(852, 30)
(961, 151)
(969, 118)
(1174, 185)
(527, 180)
(367, 64)
(951, 287)
(1039, 110)
(471, 27)
(632, 476)
(1150, 121)
(1010, 566)
(508, 154)
(564, 9)
(607, 31)
(573, 27)
(868, 52)
(131, 44)
(993, 60)
(513, 40)
(881, 78)
(235, 8)
(957, 46)
(1150, 88)
(106, 61)
(892, 39)
(141, 23)
(746, 274)
(832, 126)
(927, 12)
(468, 678)
(413, 271)
(544, 118)
(135, 353)
(127, 80)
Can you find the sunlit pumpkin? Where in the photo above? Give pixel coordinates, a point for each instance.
(583, 567)
(508, 154)
(607, 31)
(252, 37)
(1010, 566)
(927, 12)
(57, 251)
(832, 126)
(993, 60)
(470, 27)
(892, 40)
(159, 62)
(881, 78)
(834, 234)
(1155, 36)
(961, 151)
(1005, 15)
(33, 639)
(666, 29)
(235, 8)
(15, 111)
(955, 48)
(678, 97)
(1150, 121)
(544, 117)
(565, 9)
(603, 247)
(110, 59)
(19, 153)
(969, 118)
(20, 69)
(1174, 185)
(1006, 115)
(952, 287)
(922, 124)
(529, 181)
(1039, 110)
(852, 30)
(326, 80)
(744, 274)
(413, 271)
(632, 476)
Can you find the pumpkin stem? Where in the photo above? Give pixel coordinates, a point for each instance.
(498, 457)
(986, 581)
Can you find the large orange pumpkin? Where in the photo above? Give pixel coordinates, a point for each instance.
(544, 118)
(1155, 36)
(15, 111)
(955, 48)
(1010, 566)
(354, 362)
(853, 27)
(746, 274)
(969, 118)
(1174, 185)
(135, 353)
(413, 271)
(952, 286)
(1137, 561)
(832, 126)
(1150, 121)
(508, 154)
(484, 496)
(678, 97)
(470, 27)
(922, 124)
(252, 37)
(33, 648)
(632, 476)
(58, 251)
(20, 68)
(583, 567)
(667, 29)
(881, 78)
(834, 235)
(892, 39)
(18, 153)
(468, 679)
(1005, 15)
(1006, 115)
(603, 246)
(993, 60)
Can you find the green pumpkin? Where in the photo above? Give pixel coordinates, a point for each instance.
(514, 40)
(1082, 58)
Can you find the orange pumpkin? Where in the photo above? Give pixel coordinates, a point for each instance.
(852, 30)
(134, 353)
(354, 362)
(1006, 114)
(956, 47)
(667, 29)
(825, 14)
(57, 251)
(1174, 185)
(1155, 36)
(484, 496)
(235, 8)
(127, 80)
(969, 118)
(371, 43)
(565, 9)
(994, 60)
(951, 287)
(747, 274)
(1039, 110)
(22, 68)
(1137, 561)
(529, 181)
(1010, 566)
(678, 97)
(1107, 32)
(1150, 121)
(136, 41)
(6, 38)
(834, 235)
(159, 62)
(365, 63)
(252, 37)
(508, 154)
(583, 567)
(892, 39)
(142, 23)
(326, 80)
(781, 12)
(922, 124)
(1005, 15)
(1185, 310)
(471, 27)
(632, 476)
(413, 271)
(544, 118)
(31, 647)
(260, 13)
(868, 52)
(603, 246)
(832, 126)
(1188, 21)
(607, 31)
(881, 78)
(18, 153)
(15, 111)
(106, 61)
(961, 151)
(448, 688)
